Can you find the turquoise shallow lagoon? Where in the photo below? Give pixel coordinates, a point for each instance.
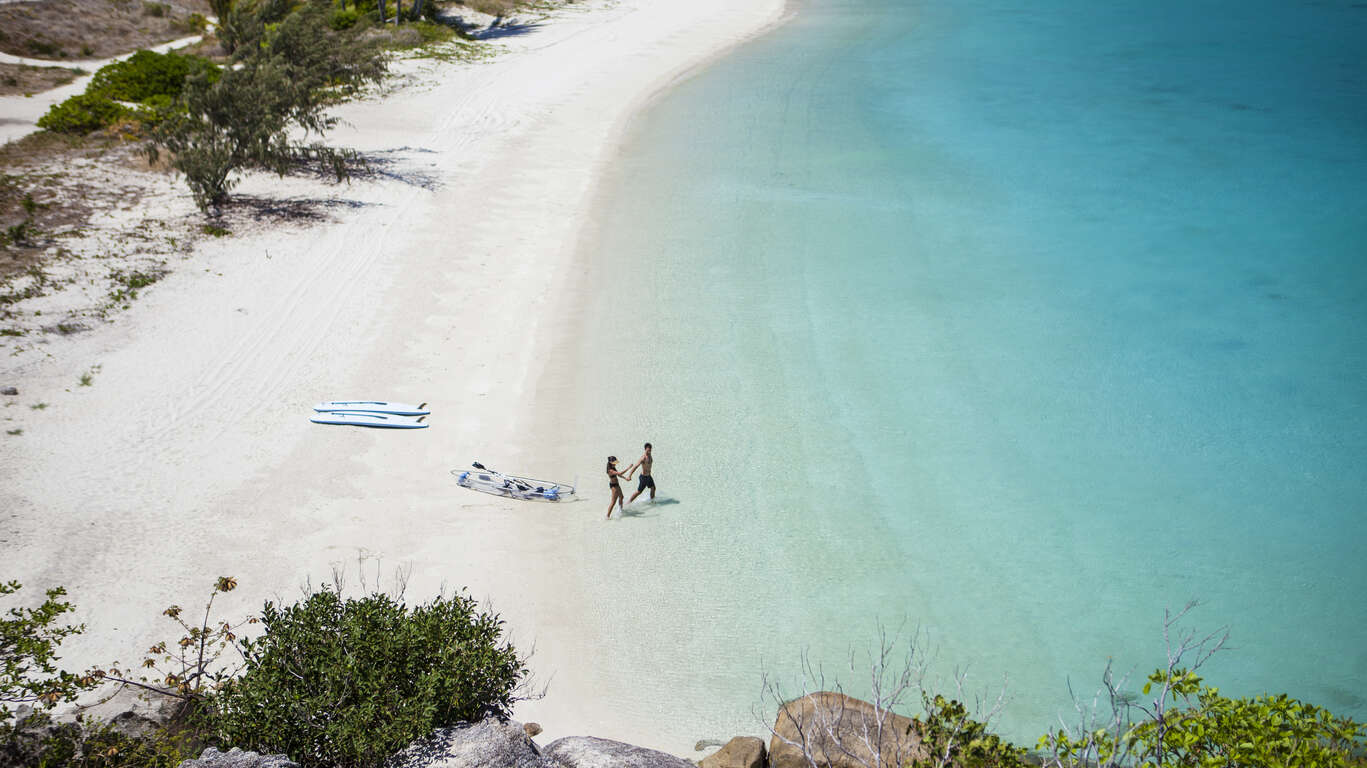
(1015, 322)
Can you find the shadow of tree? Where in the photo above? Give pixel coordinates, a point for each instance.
(382, 164)
(512, 29)
(290, 209)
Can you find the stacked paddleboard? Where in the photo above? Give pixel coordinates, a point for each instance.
(371, 413)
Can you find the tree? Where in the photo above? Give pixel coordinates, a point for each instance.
(29, 638)
(286, 76)
(348, 682)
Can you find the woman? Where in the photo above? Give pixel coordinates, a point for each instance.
(616, 487)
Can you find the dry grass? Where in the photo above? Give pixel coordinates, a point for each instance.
(93, 29)
(16, 79)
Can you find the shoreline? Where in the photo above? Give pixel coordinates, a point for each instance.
(190, 455)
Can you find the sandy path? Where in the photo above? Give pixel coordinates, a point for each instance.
(18, 114)
(191, 456)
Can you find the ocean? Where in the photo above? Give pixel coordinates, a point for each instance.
(1003, 325)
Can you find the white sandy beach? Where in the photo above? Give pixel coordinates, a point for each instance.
(190, 455)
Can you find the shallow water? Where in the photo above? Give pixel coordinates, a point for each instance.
(1014, 322)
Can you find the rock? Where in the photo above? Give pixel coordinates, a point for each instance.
(133, 725)
(490, 742)
(593, 752)
(9, 391)
(132, 712)
(531, 729)
(740, 752)
(707, 744)
(833, 727)
(236, 758)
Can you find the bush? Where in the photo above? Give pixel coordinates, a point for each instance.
(29, 638)
(146, 74)
(152, 79)
(348, 682)
(343, 18)
(83, 113)
(953, 737)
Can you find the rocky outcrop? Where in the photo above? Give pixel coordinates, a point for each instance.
(490, 743)
(740, 752)
(236, 758)
(592, 752)
(841, 732)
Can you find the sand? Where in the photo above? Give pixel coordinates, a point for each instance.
(189, 454)
(19, 113)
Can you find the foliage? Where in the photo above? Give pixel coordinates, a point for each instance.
(343, 18)
(29, 638)
(146, 74)
(190, 669)
(287, 74)
(152, 79)
(1189, 725)
(347, 682)
(952, 737)
(83, 113)
(1208, 729)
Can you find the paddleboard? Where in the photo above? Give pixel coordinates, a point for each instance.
(372, 406)
(366, 419)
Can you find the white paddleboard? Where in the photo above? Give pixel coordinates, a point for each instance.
(372, 406)
(366, 419)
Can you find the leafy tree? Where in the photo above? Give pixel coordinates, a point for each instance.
(286, 76)
(29, 638)
(347, 682)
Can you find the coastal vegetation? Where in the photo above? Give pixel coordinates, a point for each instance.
(330, 680)
(286, 69)
(336, 681)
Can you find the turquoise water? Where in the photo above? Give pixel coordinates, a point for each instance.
(1013, 322)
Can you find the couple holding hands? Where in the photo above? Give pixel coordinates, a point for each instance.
(614, 474)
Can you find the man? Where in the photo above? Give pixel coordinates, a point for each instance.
(646, 480)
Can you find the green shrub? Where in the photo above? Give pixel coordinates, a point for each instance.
(146, 74)
(348, 682)
(953, 737)
(83, 113)
(343, 18)
(29, 638)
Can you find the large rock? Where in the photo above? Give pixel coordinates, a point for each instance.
(740, 752)
(841, 732)
(592, 752)
(236, 758)
(490, 743)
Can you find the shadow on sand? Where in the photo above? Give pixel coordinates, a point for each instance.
(507, 30)
(646, 508)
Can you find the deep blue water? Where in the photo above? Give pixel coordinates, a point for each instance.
(1018, 322)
